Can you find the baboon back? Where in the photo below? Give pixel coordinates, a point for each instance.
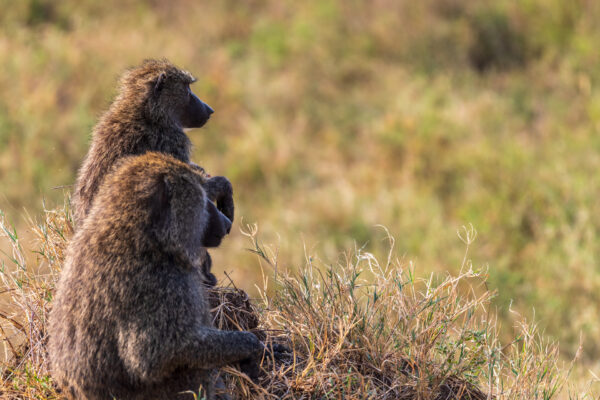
(130, 317)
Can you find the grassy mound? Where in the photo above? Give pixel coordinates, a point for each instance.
(361, 327)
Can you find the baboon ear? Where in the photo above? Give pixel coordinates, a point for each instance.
(161, 204)
(158, 85)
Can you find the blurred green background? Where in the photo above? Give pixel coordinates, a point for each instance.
(335, 116)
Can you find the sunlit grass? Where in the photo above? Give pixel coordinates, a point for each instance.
(361, 327)
(333, 117)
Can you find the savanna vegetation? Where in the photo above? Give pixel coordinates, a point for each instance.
(334, 118)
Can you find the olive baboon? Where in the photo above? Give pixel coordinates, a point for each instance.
(153, 107)
(130, 318)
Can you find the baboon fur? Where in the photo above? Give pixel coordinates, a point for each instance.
(130, 318)
(149, 114)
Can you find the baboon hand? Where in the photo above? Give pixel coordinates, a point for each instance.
(200, 170)
(219, 190)
(279, 352)
(251, 367)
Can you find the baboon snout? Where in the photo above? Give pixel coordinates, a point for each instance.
(196, 114)
(218, 226)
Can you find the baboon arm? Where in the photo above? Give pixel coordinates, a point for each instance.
(214, 348)
(150, 359)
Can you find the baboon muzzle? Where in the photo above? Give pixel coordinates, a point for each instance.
(197, 113)
(218, 226)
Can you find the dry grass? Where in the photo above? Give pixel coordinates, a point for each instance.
(362, 327)
(369, 328)
(27, 297)
(334, 116)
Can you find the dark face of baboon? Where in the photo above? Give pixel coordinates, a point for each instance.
(130, 318)
(196, 113)
(154, 105)
(184, 217)
(218, 226)
(180, 103)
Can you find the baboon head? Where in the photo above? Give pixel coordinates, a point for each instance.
(169, 99)
(181, 215)
(161, 201)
